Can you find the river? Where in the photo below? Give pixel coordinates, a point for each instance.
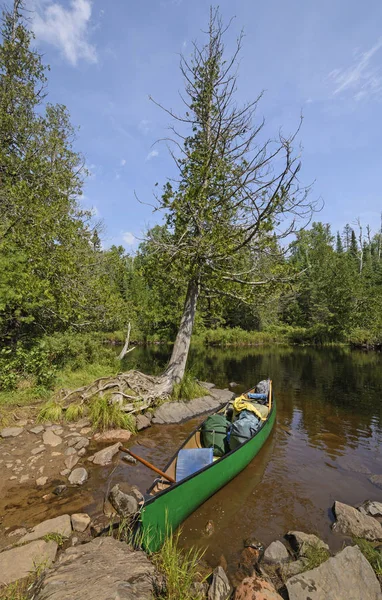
(325, 444)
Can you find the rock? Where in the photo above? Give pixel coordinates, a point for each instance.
(129, 459)
(371, 508)
(376, 480)
(19, 562)
(24, 478)
(80, 521)
(60, 489)
(18, 531)
(103, 569)
(147, 443)
(69, 451)
(209, 528)
(222, 396)
(252, 542)
(105, 456)
(11, 432)
(56, 453)
(113, 435)
(249, 558)
(78, 442)
(199, 589)
(300, 541)
(142, 422)
(126, 505)
(276, 553)
(82, 452)
(100, 524)
(206, 385)
(38, 450)
(37, 430)
(233, 384)
(85, 430)
(71, 461)
(220, 588)
(83, 423)
(59, 525)
(293, 568)
(51, 439)
(346, 576)
(65, 472)
(353, 523)
(255, 588)
(175, 412)
(41, 481)
(78, 476)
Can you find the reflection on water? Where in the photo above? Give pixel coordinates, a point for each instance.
(325, 444)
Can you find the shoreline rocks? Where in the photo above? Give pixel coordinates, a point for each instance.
(351, 521)
(176, 412)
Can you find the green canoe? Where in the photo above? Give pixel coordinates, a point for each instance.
(167, 505)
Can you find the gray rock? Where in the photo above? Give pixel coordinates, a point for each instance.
(142, 422)
(276, 553)
(51, 439)
(371, 508)
(80, 522)
(300, 541)
(350, 521)
(59, 525)
(103, 569)
(41, 481)
(69, 451)
(129, 459)
(11, 432)
(220, 588)
(65, 472)
(19, 562)
(78, 476)
(78, 441)
(206, 385)
(233, 384)
(71, 461)
(113, 435)
(222, 396)
(125, 504)
(376, 480)
(346, 576)
(38, 450)
(105, 456)
(175, 412)
(293, 568)
(82, 452)
(15, 532)
(37, 430)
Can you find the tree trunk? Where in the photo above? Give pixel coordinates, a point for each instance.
(177, 365)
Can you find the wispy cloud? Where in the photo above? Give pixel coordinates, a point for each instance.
(123, 162)
(128, 238)
(66, 28)
(144, 126)
(362, 79)
(152, 154)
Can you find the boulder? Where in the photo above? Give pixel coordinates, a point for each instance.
(276, 553)
(103, 569)
(371, 508)
(80, 521)
(70, 451)
(19, 562)
(105, 456)
(293, 568)
(71, 461)
(255, 588)
(300, 541)
(175, 412)
(59, 525)
(249, 558)
(346, 576)
(220, 588)
(78, 476)
(11, 432)
(78, 442)
(125, 504)
(206, 385)
(222, 396)
(376, 480)
(142, 422)
(350, 521)
(51, 439)
(41, 481)
(60, 489)
(113, 435)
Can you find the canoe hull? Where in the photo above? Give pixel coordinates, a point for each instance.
(167, 510)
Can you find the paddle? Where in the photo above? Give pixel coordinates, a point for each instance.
(147, 464)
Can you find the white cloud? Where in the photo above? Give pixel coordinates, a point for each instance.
(66, 29)
(128, 238)
(144, 126)
(362, 79)
(152, 154)
(123, 162)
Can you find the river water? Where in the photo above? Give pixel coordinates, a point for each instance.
(325, 445)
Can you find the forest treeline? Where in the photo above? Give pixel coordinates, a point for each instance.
(59, 286)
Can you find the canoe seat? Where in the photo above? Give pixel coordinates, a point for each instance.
(191, 460)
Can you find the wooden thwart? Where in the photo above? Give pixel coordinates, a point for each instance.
(148, 464)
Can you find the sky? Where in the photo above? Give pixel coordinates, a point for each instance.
(319, 59)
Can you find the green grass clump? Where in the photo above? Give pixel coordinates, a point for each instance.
(104, 415)
(51, 411)
(188, 389)
(371, 554)
(74, 411)
(180, 568)
(23, 588)
(314, 556)
(54, 537)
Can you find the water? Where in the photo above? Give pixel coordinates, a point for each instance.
(325, 444)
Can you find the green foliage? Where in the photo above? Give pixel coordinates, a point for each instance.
(104, 415)
(371, 554)
(51, 411)
(314, 556)
(54, 537)
(75, 411)
(188, 389)
(180, 568)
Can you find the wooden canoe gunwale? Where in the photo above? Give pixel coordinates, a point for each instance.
(149, 499)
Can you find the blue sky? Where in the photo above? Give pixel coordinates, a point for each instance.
(323, 59)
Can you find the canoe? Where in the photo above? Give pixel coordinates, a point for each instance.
(168, 504)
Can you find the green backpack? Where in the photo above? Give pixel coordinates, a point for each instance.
(214, 434)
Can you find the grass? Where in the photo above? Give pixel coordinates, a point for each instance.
(54, 537)
(314, 556)
(51, 411)
(371, 554)
(180, 569)
(23, 588)
(75, 411)
(188, 389)
(104, 415)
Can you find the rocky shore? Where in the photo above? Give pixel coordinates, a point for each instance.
(73, 554)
